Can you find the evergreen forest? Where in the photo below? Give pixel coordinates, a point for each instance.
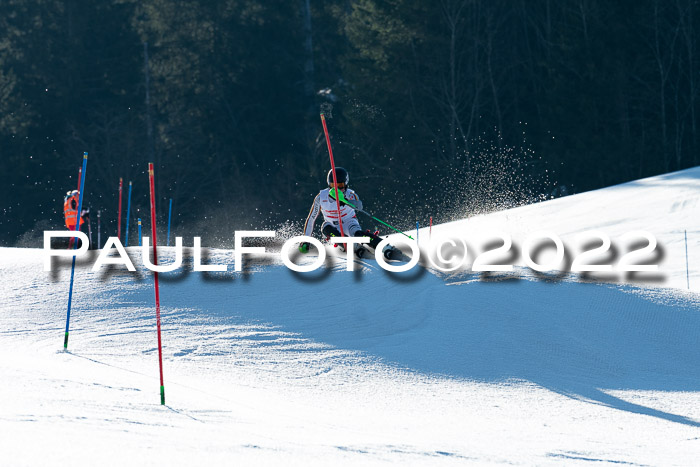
(442, 108)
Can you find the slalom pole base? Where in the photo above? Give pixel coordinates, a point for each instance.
(162, 395)
(65, 341)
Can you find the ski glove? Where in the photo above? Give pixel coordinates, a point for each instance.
(341, 196)
(304, 247)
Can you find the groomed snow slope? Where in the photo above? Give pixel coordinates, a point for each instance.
(667, 206)
(413, 368)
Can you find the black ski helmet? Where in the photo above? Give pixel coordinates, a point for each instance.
(340, 174)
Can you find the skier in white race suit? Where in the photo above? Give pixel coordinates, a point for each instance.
(326, 204)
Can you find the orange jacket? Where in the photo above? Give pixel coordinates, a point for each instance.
(70, 211)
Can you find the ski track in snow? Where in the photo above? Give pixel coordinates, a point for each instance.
(412, 368)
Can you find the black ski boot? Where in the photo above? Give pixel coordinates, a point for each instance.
(391, 252)
(341, 246)
(361, 252)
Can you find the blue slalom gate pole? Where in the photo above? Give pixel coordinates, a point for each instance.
(139, 231)
(170, 212)
(75, 245)
(417, 228)
(687, 271)
(128, 210)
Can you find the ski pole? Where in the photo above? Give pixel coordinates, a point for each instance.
(341, 196)
(380, 221)
(75, 245)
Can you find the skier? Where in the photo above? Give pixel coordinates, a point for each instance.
(70, 211)
(325, 202)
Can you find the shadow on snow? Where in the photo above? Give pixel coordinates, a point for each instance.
(576, 339)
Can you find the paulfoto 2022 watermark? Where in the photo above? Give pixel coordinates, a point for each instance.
(594, 252)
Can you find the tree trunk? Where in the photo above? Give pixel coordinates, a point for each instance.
(309, 85)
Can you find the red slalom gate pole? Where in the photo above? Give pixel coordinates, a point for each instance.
(335, 180)
(119, 217)
(430, 232)
(155, 277)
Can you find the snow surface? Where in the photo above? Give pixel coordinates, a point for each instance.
(417, 368)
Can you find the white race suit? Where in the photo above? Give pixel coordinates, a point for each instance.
(329, 208)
